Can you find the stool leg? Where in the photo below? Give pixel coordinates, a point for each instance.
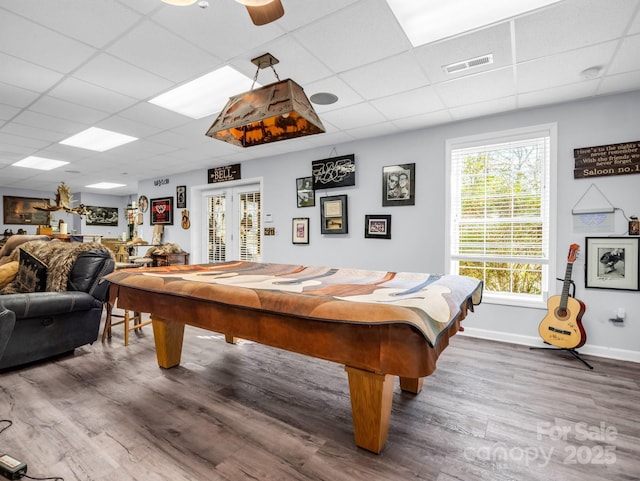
(107, 322)
(126, 328)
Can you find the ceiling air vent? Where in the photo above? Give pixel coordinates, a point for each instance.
(467, 64)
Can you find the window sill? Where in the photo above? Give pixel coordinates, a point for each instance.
(512, 300)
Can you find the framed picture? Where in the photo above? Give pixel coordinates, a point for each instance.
(300, 230)
(162, 211)
(106, 216)
(22, 210)
(143, 203)
(305, 193)
(181, 197)
(334, 172)
(399, 185)
(333, 215)
(377, 226)
(612, 263)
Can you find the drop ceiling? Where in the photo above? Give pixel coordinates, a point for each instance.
(67, 65)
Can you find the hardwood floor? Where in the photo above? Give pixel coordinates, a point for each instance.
(491, 411)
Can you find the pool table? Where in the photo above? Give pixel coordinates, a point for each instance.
(377, 324)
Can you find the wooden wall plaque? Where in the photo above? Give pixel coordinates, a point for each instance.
(606, 160)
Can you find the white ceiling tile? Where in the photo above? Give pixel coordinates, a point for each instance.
(42, 134)
(156, 50)
(16, 96)
(84, 93)
(424, 120)
(66, 110)
(101, 21)
(549, 95)
(379, 130)
(296, 63)
(363, 33)
(352, 48)
(628, 56)
(127, 126)
(55, 124)
(495, 40)
(115, 74)
(563, 68)
(393, 75)
(620, 83)
(571, 24)
(26, 75)
(635, 26)
(484, 108)
(303, 13)
(10, 142)
(22, 38)
(354, 116)
(408, 104)
(477, 88)
(145, 112)
(346, 95)
(7, 111)
(224, 29)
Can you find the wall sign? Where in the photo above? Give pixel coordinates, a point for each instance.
(334, 172)
(224, 173)
(606, 160)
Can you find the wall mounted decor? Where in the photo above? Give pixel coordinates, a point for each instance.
(162, 211)
(106, 216)
(333, 215)
(399, 184)
(143, 203)
(300, 230)
(612, 263)
(334, 172)
(377, 226)
(181, 197)
(21, 210)
(606, 160)
(304, 192)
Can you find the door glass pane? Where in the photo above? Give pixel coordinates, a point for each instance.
(217, 228)
(250, 239)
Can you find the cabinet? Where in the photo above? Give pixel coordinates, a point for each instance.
(170, 259)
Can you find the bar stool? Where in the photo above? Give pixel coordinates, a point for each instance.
(132, 322)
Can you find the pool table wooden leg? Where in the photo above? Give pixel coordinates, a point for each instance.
(371, 396)
(411, 384)
(168, 336)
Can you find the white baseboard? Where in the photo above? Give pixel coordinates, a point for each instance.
(588, 349)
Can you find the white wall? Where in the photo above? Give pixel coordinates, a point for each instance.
(74, 222)
(417, 242)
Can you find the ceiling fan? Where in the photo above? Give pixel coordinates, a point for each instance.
(260, 11)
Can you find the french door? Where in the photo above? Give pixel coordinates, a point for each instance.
(233, 219)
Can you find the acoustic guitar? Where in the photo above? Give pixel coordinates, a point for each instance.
(562, 326)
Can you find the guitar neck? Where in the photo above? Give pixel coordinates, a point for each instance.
(565, 287)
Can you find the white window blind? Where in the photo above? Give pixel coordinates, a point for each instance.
(499, 211)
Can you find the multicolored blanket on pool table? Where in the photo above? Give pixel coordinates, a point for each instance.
(429, 302)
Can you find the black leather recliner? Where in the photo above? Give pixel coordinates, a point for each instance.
(52, 323)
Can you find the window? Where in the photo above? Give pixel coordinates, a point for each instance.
(499, 225)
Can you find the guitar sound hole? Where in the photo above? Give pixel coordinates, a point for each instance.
(562, 313)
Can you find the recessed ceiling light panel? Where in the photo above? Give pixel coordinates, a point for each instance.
(429, 20)
(105, 185)
(40, 163)
(205, 95)
(98, 140)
